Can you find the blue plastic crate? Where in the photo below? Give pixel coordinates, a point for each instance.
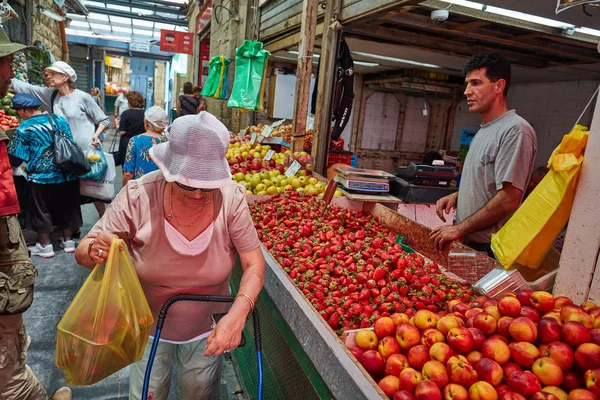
(354, 162)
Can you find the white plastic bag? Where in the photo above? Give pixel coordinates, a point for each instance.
(105, 188)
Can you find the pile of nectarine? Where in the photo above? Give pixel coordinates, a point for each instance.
(527, 345)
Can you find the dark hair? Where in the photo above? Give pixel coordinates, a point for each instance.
(197, 89)
(496, 67)
(135, 99)
(188, 88)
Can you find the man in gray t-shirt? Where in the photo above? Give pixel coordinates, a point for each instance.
(499, 163)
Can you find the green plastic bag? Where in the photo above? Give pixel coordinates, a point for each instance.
(250, 69)
(216, 83)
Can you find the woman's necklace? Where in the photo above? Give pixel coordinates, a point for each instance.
(171, 215)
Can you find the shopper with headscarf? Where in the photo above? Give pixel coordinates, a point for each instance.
(137, 160)
(185, 226)
(131, 123)
(54, 193)
(76, 106)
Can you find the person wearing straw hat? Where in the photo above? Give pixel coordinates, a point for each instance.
(137, 158)
(17, 381)
(85, 117)
(185, 225)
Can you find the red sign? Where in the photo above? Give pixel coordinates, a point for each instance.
(204, 17)
(176, 42)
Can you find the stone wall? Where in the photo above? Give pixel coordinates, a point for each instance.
(159, 83)
(46, 29)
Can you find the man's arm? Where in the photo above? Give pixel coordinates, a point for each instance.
(506, 201)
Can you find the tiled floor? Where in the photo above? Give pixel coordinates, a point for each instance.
(58, 281)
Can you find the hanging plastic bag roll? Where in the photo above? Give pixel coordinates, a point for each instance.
(250, 67)
(530, 233)
(107, 325)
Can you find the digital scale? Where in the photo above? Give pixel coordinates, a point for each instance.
(358, 180)
(423, 183)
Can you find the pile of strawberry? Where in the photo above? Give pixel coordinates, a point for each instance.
(347, 264)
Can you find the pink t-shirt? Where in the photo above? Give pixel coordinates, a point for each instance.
(136, 215)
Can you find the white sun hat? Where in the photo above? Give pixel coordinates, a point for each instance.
(194, 155)
(63, 68)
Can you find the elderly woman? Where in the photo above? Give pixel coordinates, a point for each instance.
(137, 159)
(131, 123)
(76, 106)
(185, 226)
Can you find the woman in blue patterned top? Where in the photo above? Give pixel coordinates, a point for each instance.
(54, 192)
(137, 159)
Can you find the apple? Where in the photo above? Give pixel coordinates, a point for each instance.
(453, 391)
(440, 352)
(454, 302)
(496, 349)
(588, 305)
(543, 396)
(594, 312)
(490, 371)
(460, 308)
(482, 391)
(572, 381)
(542, 301)
(435, 371)
(432, 336)
(461, 339)
(524, 383)
(485, 322)
(548, 371)
(418, 356)
(388, 346)
(542, 347)
(595, 336)
(574, 333)
(384, 326)
(372, 361)
(558, 392)
(509, 368)
(592, 380)
(490, 302)
(448, 322)
(561, 301)
(474, 357)
(509, 306)
(581, 394)
(523, 330)
(549, 330)
(503, 326)
(473, 312)
(395, 364)
(553, 314)
(512, 396)
(587, 356)
(571, 312)
(499, 337)
(523, 353)
(561, 353)
(493, 311)
(409, 379)
(470, 322)
(403, 395)
(531, 313)
(523, 296)
(459, 370)
(428, 390)
(389, 385)
(366, 339)
(408, 336)
(425, 319)
(399, 318)
(502, 389)
(478, 338)
(357, 352)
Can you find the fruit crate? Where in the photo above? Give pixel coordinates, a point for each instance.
(339, 157)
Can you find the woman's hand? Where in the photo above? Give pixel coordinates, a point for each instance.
(101, 246)
(95, 141)
(226, 336)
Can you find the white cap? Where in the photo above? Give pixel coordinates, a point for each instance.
(194, 155)
(157, 117)
(63, 68)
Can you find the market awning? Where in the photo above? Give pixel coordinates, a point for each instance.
(126, 20)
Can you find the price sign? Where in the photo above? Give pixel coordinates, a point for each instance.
(242, 132)
(277, 123)
(266, 132)
(253, 138)
(269, 155)
(293, 169)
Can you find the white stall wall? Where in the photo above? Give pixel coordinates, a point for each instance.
(551, 108)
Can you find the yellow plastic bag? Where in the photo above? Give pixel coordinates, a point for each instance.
(107, 325)
(530, 233)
